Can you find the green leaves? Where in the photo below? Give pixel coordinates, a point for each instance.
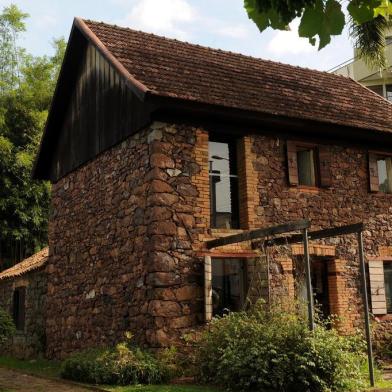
(322, 20)
(269, 18)
(362, 11)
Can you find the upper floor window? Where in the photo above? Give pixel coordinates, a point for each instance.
(388, 285)
(384, 167)
(224, 198)
(18, 307)
(388, 91)
(309, 164)
(378, 89)
(380, 172)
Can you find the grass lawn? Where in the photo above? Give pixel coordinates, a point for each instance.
(41, 367)
(51, 369)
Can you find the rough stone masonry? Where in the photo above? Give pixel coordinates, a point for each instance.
(127, 229)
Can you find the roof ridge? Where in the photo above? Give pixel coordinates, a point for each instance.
(253, 58)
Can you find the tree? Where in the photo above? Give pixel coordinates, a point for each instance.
(25, 95)
(11, 24)
(321, 19)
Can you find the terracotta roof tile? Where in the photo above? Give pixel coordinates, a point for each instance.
(172, 68)
(32, 263)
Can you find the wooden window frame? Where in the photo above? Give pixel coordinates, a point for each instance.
(321, 161)
(373, 157)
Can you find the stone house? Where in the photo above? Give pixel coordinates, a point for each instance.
(155, 146)
(23, 294)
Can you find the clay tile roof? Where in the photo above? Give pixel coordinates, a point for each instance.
(34, 262)
(171, 68)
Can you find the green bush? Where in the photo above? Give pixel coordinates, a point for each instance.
(382, 341)
(7, 327)
(121, 365)
(275, 351)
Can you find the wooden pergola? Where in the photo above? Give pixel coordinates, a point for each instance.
(304, 237)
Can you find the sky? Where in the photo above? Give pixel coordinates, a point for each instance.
(221, 24)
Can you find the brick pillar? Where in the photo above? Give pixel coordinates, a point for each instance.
(248, 195)
(339, 297)
(201, 180)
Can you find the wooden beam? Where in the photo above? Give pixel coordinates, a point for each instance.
(318, 234)
(258, 233)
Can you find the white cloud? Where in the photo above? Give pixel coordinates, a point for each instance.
(161, 16)
(288, 42)
(238, 32)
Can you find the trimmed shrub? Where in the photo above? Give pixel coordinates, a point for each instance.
(7, 327)
(275, 351)
(121, 365)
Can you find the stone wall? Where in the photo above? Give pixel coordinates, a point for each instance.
(121, 235)
(30, 342)
(127, 233)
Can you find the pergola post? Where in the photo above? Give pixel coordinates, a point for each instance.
(309, 289)
(366, 307)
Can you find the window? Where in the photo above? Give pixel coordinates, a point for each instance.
(388, 285)
(388, 88)
(18, 308)
(306, 165)
(228, 285)
(223, 184)
(380, 172)
(309, 164)
(378, 89)
(384, 169)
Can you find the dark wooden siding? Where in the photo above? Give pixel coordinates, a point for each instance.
(101, 111)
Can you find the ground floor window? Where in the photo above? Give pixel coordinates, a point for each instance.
(320, 284)
(228, 285)
(18, 307)
(388, 285)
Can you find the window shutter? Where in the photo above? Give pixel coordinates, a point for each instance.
(377, 288)
(325, 166)
(373, 173)
(292, 163)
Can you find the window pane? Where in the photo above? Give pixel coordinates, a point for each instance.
(388, 285)
(228, 285)
(384, 167)
(306, 172)
(389, 92)
(223, 184)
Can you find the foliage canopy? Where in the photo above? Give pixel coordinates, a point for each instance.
(321, 19)
(26, 87)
